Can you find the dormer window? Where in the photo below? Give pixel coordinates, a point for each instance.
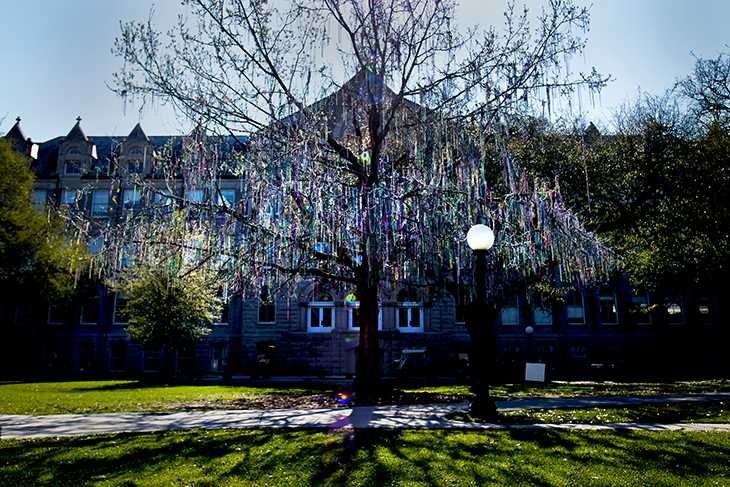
(136, 162)
(73, 163)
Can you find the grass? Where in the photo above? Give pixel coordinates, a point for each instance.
(114, 396)
(587, 389)
(130, 396)
(699, 412)
(370, 458)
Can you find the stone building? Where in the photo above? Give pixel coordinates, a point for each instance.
(611, 331)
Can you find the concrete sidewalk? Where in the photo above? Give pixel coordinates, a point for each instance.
(401, 417)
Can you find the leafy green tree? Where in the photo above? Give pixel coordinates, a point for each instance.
(36, 253)
(170, 295)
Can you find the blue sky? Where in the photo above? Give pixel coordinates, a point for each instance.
(56, 56)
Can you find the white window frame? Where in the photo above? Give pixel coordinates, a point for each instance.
(577, 310)
(411, 307)
(320, 326)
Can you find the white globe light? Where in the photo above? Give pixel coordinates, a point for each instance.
(480, 237)
(529, 330)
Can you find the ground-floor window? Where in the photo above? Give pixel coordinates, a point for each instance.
(118, 357)
(85, 357)
(218, 357)
(152, 360)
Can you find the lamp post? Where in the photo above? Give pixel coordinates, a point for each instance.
(529, 331)
(481, 320)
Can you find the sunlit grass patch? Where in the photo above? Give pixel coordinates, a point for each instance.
(692, 412)
(289, 458)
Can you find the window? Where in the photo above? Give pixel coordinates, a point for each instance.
(57, 312)
(38, 197)
(543, 314)
(90, 309)
(321, 316)
(222, 318)
(409, 313)
(708, 315)
(68, 198)
(100, 203)
(267, 306)
(51, 358)
(132, 200)
(576, 310)
(152, 360)
(510, 313)
(195, 195)
(226, 197)
(640, 301)
(185, 358)
(136, 162)
(23, 310)
(673, 307)
(353, 318)
(84, 357)
(607, 303)
(218, 357)
(461, 304)
(118, 357)
(73, 167)
(120, 309)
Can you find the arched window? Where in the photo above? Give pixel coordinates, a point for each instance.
(73, 163)
(409, 316)
(576, 310)
(607, 302)
(321, 313)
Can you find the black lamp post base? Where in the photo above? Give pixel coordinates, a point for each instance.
(485, 410)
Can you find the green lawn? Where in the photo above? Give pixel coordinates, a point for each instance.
(113, 396)
(127, 396)
(698, 412)
(370, 458)
(585, 389)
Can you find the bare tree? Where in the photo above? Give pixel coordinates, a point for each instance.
(373, 187)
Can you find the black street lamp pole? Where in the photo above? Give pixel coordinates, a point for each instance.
(479, 325)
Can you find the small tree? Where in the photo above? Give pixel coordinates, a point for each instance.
(171, 291)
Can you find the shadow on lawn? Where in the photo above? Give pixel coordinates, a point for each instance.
(370, 457)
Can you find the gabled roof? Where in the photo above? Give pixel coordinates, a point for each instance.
(76, 134)
(16, 134)
(138, 134)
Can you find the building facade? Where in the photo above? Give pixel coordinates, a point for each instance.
(611, 331)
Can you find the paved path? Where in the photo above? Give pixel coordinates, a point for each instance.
(410, 417)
